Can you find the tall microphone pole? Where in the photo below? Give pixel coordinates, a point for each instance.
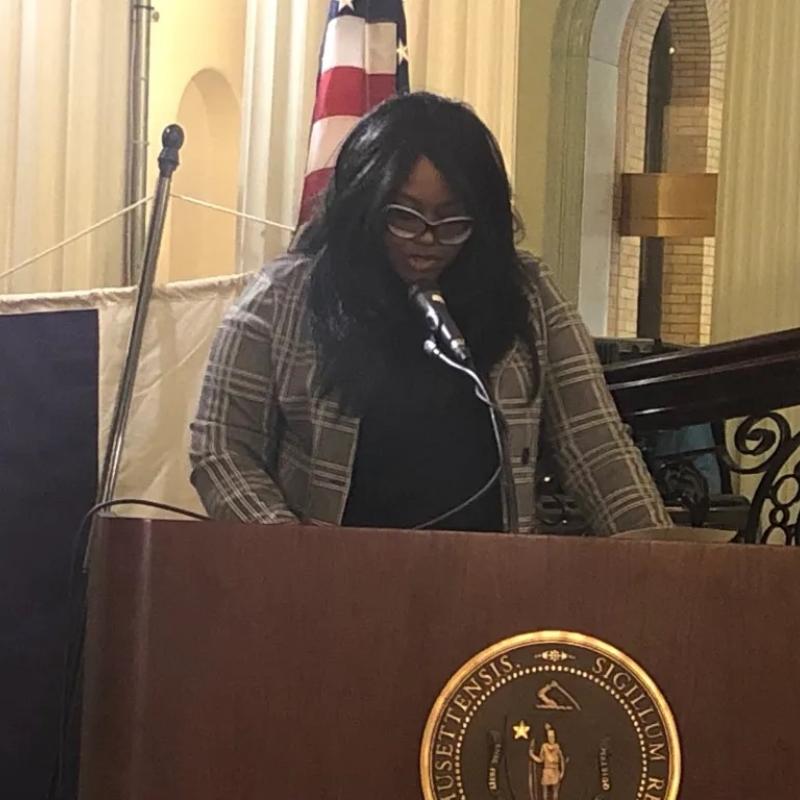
(171, 140)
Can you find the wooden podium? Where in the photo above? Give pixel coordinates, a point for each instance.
(299, 663)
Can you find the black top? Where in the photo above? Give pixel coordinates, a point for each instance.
(420, 455)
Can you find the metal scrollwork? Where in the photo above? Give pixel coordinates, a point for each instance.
(556, 512)
(753, 438)
(680, 482)
(776, 500)
(771, 452)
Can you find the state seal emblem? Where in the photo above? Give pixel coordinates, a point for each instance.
(550, 715)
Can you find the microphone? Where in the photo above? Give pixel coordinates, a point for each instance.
(430, 301)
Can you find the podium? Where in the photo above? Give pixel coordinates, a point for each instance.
(250, 662)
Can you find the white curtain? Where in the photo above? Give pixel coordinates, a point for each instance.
(468, 49)
(281, 53)
(757, 280)
(465, 49)
(63, 96)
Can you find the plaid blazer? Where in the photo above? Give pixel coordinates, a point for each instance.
(265, 448)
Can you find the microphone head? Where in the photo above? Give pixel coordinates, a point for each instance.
(425, 300)
(172, 137)
(168, 159)
(430, 291)
(415, 289)
(428, 298)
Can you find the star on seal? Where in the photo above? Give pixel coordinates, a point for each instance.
(521, 730)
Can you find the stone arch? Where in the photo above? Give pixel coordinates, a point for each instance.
(692, 142)
(589, 146)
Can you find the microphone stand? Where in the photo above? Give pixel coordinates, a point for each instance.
(498, 427)
(172, 140)
(168, 161)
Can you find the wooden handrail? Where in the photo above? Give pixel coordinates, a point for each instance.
(703, 384)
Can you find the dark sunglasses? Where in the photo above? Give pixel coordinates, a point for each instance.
(406, 223)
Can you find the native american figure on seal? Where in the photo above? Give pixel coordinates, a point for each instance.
(550, 762)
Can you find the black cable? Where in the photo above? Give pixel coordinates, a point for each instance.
(76, 596)
(461, 506)
(134, 501)
(482, 393)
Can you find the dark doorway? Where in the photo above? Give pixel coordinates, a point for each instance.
(651, 257)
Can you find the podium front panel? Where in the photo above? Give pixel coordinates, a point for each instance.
(252, 662)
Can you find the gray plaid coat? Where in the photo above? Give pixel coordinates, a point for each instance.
(266, 449)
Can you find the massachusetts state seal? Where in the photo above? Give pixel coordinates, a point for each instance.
(550, 715)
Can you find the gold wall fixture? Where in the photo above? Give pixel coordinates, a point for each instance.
(668, 204)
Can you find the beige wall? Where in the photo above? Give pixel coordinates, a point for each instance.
(197, 57)
(757, 282)
(202, 240)
(483, 52)
(536, 30)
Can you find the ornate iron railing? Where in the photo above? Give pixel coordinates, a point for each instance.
(744, 385)
(747, 384)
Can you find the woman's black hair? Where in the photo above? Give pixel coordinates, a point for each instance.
(362, 323)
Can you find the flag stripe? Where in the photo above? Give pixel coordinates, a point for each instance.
(314, 185)
(379, 87)
(347, 91)
(360, 66)
(351, 42)
(327, 135)
(381, 38)
(344, 43)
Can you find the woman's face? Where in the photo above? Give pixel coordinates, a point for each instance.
(423, 259)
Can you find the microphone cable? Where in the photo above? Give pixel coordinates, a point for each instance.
(77, 608)
(433, 350)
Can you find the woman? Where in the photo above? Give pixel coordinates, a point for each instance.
(319, 403)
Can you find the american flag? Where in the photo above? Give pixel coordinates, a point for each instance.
(364, 60)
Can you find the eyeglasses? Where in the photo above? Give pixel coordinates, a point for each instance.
(406, 223)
